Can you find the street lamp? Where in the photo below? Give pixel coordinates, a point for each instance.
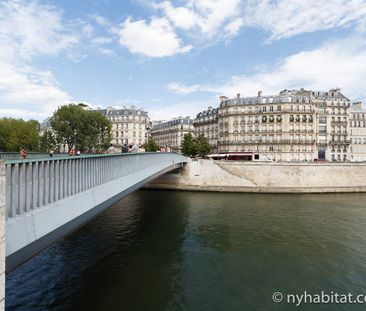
(75, 139)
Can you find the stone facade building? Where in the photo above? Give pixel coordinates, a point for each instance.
(171, 133)
(296, 125)
(206, 123)
(357, 120)
(129, 125)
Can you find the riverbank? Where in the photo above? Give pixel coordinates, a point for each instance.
(238, 176)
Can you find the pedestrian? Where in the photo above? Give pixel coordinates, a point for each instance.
(125, 148)
(51, 153)
(133, 148)
(78, 152)
(72, 152)
(111, 149)
(22, 154)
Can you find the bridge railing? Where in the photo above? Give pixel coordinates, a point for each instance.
(33, 183)
(8, 156)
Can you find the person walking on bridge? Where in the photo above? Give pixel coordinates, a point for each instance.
(111, 149)
(22, 154)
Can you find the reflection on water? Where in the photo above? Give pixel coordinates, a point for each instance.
(168, 250)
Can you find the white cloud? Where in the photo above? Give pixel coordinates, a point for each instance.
(106, 52)
(87, 30)
(181, 17)
(180, 88)
(154, 39)
(29, 29)
(207, 16)
(335, 64)
(29, 89)
(101, 40)
(287, 18)
(216, 19)
(214, 13)
(100, 20)
(232, 29)
(22, 114)
(183, 109)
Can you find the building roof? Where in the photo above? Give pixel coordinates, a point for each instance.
(332, 93)
(46, 124)
(173, 122)
(301, 96)
(271, 99)
(123, 111)
(208, 112)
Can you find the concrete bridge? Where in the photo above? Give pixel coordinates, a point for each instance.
(45, 199)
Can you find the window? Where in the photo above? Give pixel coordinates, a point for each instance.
(322, 120)
(322, 128)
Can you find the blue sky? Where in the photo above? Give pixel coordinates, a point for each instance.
(174, 57)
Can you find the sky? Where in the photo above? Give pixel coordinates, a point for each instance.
(174, 58)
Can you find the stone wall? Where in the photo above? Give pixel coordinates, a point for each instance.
(236, 176)
(2, 235)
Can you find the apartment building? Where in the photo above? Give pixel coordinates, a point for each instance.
(206, 124)
(171, 133)
(129, 125)
(357, 122)
(295, 125)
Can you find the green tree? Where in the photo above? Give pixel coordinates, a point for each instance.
(47, 141)
(17, 133)
(96, 133)
(189, 147)
(151, 146)
(84, 129)
(203, 148)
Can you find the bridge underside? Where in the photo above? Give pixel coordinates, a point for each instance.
(30, 233)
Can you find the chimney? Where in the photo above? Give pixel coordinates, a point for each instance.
(260, 94)
(223, 98)
(238, 95)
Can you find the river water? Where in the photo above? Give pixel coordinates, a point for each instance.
(171, 250)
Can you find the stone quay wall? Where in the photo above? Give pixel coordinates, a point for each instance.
(237, 176)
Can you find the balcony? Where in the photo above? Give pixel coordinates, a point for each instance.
(344, 142)
(269, 142)
(342, 123)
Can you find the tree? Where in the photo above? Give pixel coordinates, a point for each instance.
(47, 141)
(151, 146)
(96, 134)
(189, 147)
(85, 130)
(203, 148)
(192, 147)
(17, 133)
